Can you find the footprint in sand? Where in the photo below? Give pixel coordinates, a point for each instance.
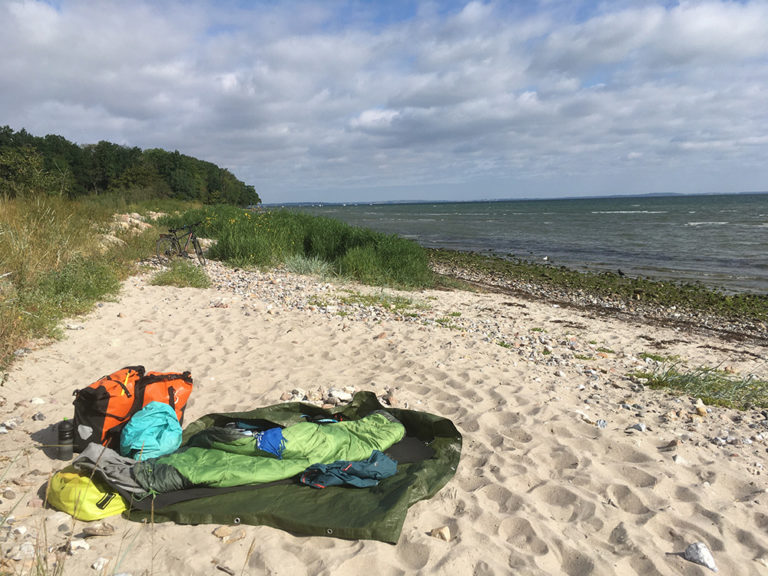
(439, 375)
(420, 390)
(560, 502)
(563, 458)
(508, 419)
(519, 533)
(413, 554)
(576, 563)
(637, 477)
(685, 494)
(626, 499)
(507, 501)
(624, 453)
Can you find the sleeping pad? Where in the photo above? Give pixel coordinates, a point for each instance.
(223, 457)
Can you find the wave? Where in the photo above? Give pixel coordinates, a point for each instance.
(707, 223)
(629, 211)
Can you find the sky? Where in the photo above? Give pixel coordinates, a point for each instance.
(359, 101)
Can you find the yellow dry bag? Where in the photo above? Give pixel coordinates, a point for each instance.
(83, 497)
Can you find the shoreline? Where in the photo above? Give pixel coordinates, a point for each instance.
(542, 486)
(739, 329)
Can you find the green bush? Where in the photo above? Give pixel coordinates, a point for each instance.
(68, 291)
(79, 283)
(308, 266)
(239, 246)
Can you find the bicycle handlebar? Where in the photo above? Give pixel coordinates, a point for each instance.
(187, 227)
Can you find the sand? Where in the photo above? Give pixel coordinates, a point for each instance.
(541, 488)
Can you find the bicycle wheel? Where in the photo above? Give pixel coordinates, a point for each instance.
(198, 251)
(167, 248)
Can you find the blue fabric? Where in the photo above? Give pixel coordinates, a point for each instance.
(362, 473)
(271, 441)
(152, 432)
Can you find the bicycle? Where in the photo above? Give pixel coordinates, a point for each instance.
(170, 245)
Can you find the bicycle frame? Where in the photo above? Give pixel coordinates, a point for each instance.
(179, 243)
(188, 235)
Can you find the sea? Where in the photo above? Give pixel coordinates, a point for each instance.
(720, 241)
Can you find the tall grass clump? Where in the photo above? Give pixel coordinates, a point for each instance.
(54, 265)
(183, 275)
(387, 260)
(308, 266)
(276, 237)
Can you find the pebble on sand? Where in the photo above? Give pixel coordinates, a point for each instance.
(700, 554)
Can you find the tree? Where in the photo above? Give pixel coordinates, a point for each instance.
(22, 173)
(56, 165)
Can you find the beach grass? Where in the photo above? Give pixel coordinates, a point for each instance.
(714, 386)
(268, 238)
(54, 264)
(381, 299)
(182, 274)
(309, 266)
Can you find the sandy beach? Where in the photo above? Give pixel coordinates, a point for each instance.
(543, 486)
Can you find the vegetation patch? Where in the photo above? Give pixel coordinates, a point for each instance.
(308, 266)
(712, 385)
(269, 238)
(391, 302)
(182, 274)
(657, 357)
(447, 323)
(53, 264)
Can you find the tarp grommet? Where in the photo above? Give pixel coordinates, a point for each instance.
(329, 531)
(236, 520)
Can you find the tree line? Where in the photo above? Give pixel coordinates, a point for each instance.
(54, 165)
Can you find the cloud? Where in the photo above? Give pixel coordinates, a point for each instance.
(349, 100)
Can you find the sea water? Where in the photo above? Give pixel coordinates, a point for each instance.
(717, 240)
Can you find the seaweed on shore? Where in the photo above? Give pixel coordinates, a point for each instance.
(621, 290)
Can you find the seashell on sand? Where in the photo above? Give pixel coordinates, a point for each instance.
(443, 533)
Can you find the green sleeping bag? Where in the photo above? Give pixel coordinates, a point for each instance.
(215, 459)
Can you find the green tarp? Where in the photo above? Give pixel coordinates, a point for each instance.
(375, 513)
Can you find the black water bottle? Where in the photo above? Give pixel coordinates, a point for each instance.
(66, 438)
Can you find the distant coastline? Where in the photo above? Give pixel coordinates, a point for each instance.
(489, 200)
